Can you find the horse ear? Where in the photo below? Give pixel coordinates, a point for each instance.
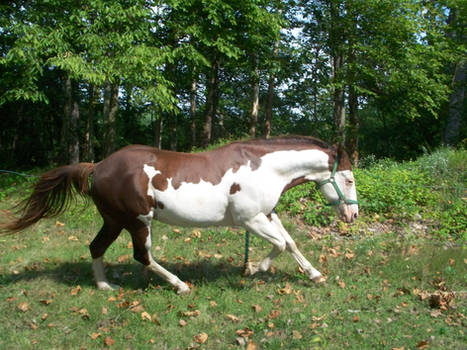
(344, 160)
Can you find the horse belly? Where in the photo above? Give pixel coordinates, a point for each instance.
(201, 204)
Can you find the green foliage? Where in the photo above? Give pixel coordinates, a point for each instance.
(432, 188)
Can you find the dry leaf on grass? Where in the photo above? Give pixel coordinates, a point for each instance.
(24, 306)
(109, 341)
(296, 335)
(200, 338)
(232, 318)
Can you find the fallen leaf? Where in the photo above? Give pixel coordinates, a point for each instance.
(109, 341)
(59, 224)
(423, 344)
(341, 284)
(94, 336)
(24, 306)
(349, 255)
(245, 332)
(355, 319)
(286, 290)
(145, 316)
(200, 338)
(129, 245)
(296, 335)
(212, 303)
(76, 290)
(123, 258)
(232, 318)
(45, 301)
(84, 314)
(274, 314)
(251, 345)
(452, 262)
(104, 310)
(257, 308)
(73, 238)
(44, 316)
(111, 298)
(182, 323)
(194, 313)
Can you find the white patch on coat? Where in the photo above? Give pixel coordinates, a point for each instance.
(150, 172)
(205, 204)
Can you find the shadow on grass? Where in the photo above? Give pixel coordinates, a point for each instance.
(131, 276)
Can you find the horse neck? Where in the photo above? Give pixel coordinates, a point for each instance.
(311, 164)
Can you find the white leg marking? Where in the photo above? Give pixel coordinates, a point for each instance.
(314, 274)
(261, 226)
(99, 275)
(182, 287)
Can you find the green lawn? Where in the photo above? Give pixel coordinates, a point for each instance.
(385, 290)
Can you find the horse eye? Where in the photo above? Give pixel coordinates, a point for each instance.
(349, 182)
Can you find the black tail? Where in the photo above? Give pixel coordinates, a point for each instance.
(52, 195)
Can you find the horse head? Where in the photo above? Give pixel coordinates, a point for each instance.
(339, 188)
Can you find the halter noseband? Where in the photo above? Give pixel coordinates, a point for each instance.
(333, 182)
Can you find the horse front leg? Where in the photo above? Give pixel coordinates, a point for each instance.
(306, 266)
(264, 228)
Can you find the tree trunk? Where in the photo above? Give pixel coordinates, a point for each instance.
(173, 131)
(88, 147)
(337, 56)
(211, 103)
(74, 127)
(254, 100)
(457, 98)
(354, 126)
(456, 105)
(339, 103)
(70, 125)
(158, 125)
(193, 112)
(110, 117)
(270, 97)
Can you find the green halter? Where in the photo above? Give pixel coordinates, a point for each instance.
(333, 182)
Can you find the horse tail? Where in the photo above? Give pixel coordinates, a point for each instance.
(52, 195)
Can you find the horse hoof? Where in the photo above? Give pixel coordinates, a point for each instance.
(183, 290)
(250, 269)
(107, 286)
(319, 279)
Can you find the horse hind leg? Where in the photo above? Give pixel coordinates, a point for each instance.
(140, 231)
(107, 234)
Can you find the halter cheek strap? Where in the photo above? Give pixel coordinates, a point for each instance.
(332, 181)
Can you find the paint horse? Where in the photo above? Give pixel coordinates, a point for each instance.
(238, 184)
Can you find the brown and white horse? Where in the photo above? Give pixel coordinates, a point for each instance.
(234, 185)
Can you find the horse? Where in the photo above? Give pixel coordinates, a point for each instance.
(238, 184)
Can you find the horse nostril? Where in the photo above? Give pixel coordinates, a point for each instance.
(355, 215)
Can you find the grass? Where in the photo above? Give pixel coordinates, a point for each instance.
(372, 300)
(393, 282)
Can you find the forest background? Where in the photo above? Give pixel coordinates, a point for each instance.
(79, 79)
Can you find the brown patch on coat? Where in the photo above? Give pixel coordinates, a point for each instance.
(234, 188)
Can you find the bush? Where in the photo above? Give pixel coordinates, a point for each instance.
(431, 187)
